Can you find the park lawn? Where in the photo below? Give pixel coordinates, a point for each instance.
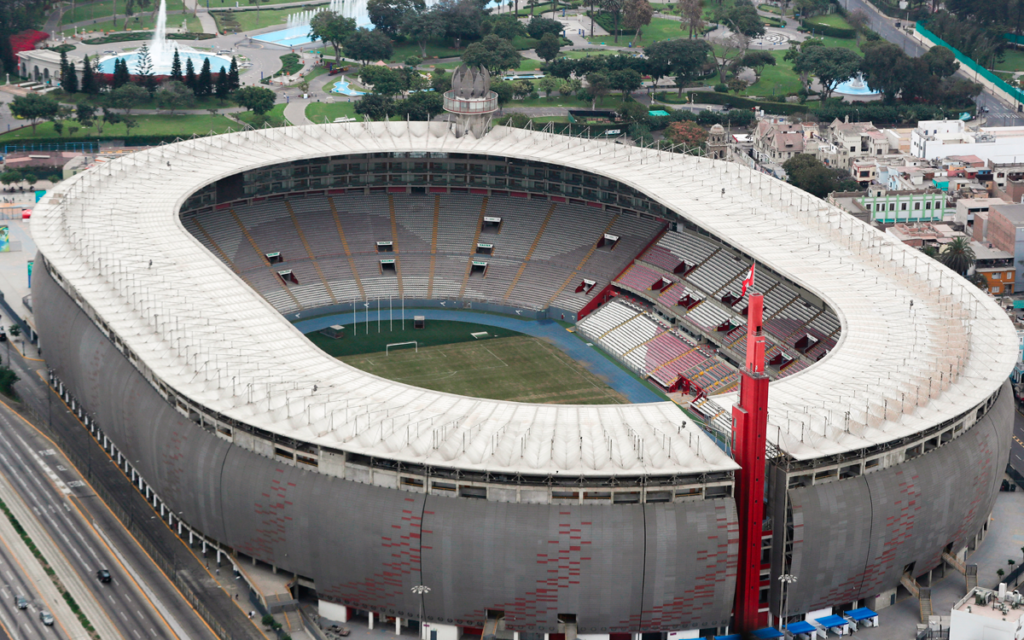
(781, 78)
(831, 20)
(249, 20)
(846, 43)
(1013, 60)
(659, 29)
(162, 125)
(105, 9)
(315, 73)
(275, 116)
(317, 111)
(773, 9)
(435, 49)
(192, 24)
(135, 23)
(208, 102)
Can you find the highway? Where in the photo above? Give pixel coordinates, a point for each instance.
(24, 624)
(141, 601)
(999, 114)
(32, 466)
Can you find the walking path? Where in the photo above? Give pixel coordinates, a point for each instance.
(573, 346)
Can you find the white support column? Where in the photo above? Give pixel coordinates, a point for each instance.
(371, 620)
(398, 626)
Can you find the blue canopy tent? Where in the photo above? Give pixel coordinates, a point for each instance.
(834, 622)
(768, 633)
(801, 627)
(734, 636)
(863, 615)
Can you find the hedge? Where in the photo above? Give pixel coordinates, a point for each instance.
(736, 102)
(828, 31)
(128, 141)
(147, 35)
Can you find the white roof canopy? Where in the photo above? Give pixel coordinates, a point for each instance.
(919, 344)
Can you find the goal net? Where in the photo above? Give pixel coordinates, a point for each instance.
(414, 343)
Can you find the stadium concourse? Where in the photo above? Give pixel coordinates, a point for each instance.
(173, 276)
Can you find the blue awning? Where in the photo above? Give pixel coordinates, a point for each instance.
(768, 633)
(861, 614)
(734, 636)
(831, 621)
(802, 627)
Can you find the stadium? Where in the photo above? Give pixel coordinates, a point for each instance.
(179, 282)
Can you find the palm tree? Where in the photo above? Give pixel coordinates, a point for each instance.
(958, 255)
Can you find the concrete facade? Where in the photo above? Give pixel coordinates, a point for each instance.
(1006, 232)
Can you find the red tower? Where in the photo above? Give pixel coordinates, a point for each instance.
(749, 427)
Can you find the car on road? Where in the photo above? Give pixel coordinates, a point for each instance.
(46, 618)
(22, 602)
(103, 575)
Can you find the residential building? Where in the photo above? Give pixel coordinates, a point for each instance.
(1006, 232)
(776, 142)
(845, 142)
(984, 614)
(924, 234)
(934, 139)
(885, 206)
(967, 207)
(996, 266)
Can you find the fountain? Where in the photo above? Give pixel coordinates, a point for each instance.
(161, 53)
(855, 87)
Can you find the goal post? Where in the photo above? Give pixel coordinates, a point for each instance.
(414, 343)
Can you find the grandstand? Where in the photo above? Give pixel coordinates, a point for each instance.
(168, 319)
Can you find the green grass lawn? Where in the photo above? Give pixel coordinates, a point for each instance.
(209, 102)
(275, 116)
(317, 111)
(659, 29)
(832, 20)
(361, 338)
(162, 125)
(315, 73)
(249, 20)
(516, 368)
(1013, 60)
(781, 78)
(105, 9)
(135, 23)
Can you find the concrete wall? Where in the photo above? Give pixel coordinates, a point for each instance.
(617, 567)
(853, 538)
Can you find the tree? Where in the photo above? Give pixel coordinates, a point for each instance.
(692, 13)
(832, 65)
(88, 85)
(758, 60)
(121, 76)
(742, 18)
(887, 67)
(11, 176)
(958, 255)
(1000, 573)
(144, 68)
(808, 173)
(190, 74)
(462, 19)
(85, 114)
(257, 3)
(550, 83)
(129, 9)
(941, 62)
(69, 82)
(368, 46)
(733, 48)
(493, 53)
(931, 251)
(376, 106)
(599, 85)
(233, 82)
(858, 20)
(549, 46)
(109, 117)
(504, 90)
(223, 87)
(684, 59)
(614, 9)
(127, 98)
(503, 25)
(174, 95)
(204, 83)
(424, 26)
(440, 81)
(686, 133)
(625, 80)
(388, 15)
(422, 105)
(259, 100)
(333, 28)
(636, 15)
(384, 81)
(539, 26)
(176, 73)
(34, 107)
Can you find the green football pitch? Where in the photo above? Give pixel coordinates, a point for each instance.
(503, 365)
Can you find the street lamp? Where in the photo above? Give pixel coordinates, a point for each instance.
(421, 590)
(785, 579)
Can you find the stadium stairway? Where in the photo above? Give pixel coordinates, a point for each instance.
(529, 253)
(583, 262)
(472, 247)
(263, 259)
(344, 245)
(309, 251)
(395, 247)
(433, 246)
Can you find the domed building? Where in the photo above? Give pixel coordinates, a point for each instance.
(717, 145)
(471, 100)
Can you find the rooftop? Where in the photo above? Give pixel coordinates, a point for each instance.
(878, 384)
(1012, 212)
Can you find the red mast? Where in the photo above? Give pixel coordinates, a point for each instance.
(749, 427)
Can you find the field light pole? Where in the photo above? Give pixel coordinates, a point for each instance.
(421, 590)
(785, 579)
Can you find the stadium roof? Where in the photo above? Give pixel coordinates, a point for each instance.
(919, 344)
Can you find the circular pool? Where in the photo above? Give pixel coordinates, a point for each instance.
(163, 68)
(856, 86)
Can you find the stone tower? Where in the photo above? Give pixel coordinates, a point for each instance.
(717, 145)
(471, 100)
